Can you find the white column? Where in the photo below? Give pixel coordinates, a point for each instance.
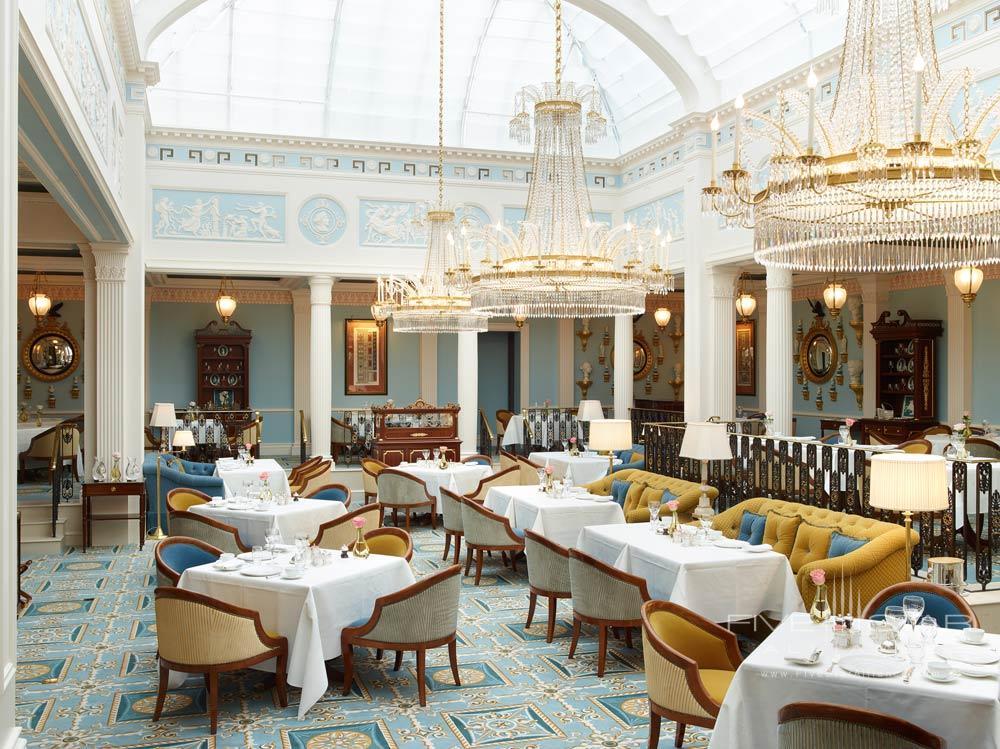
(779, 343)
(9, 732)
(564, 331)
(623, 381)
(695, 393)
(301, 312)
(89, 359)
(429, 367)
(320, 364)
(959, 326)
(722, 344)
(114, 368)
(875, 301)
(468, 390)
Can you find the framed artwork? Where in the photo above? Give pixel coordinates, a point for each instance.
(746, 358)
(365, 358)
(907, 407)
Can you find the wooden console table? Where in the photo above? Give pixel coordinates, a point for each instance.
(111, 489)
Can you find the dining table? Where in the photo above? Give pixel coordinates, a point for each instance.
(311, 611)
(583, 468)
(964, 711)
(461, 478)
(254, 519)
(559, 519)
(721, 584)
(237, 476)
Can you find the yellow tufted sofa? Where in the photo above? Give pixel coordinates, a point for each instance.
(646, 486)
(852, 579)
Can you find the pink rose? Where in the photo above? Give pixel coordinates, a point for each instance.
(672, 505)
(548, 470)
(247, 445)
(849, 422)
(572, 440)
(358, 523)
(263, 476)
(818, 577)
(116, 455)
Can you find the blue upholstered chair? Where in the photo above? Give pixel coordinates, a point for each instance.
(629, 460)
(175, 554)
(949, 609)
(176, 474)
(479, 460)
(332, 492)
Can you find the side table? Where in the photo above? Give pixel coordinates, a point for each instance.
(92, 491)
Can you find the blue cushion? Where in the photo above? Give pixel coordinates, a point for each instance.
(841, 544)
(478, 462)
(519, 532)
(619, 489)
(667, 496)
(359, 622)
(943, 610)
(180, 557)
(337, 495)
(752, 527)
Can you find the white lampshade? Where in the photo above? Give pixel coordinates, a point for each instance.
(661, 316)
(705, 440)
(610, 434)
(746, 303)
(909, 481)
(835, 296)
(183, 438)
(163, 415)
(590, 410)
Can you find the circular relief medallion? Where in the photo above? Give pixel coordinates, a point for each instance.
(173, 701)
(322, 220)
(339, 740)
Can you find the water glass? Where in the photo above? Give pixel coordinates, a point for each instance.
(915, 650)
(896, 617)
(928, 629)
(654, 515)
(913, 607)
(257, 554)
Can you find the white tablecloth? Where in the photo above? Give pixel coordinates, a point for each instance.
(559, 520)
(461, 478)
(720, 584)
(965, 713)
(311, 612)
(513, 434)
(583, 468)
(235, 475)
(304, 516)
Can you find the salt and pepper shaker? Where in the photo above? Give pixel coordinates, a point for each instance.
(343, 552)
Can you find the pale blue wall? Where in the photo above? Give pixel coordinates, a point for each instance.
(71, 314)
(493, 374)
(986, 353)
(404, 362)
(447, 372)
(543, 380)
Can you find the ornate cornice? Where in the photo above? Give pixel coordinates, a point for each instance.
(207, 295)
(673, 302)
(57, 293)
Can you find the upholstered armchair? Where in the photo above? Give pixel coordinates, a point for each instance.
(947, 607)
(508, 477)
(633, 457)
(181, 500)
(604, 597)
(341, 437)
(332, 493)
(197, 634)
(916, 446)
(479, 460)
(296, 472)
(43, 448)
(980, 447)
(507, 460)
(689, 663)
(451, 520)
(529, 471)
(311, 478)
(418, 617)
(175, 554)
(503, 419)
(819, 725)
(390, 542)
(548, 576)
(487, 531)
(370, 469)
(401, 491)
(220, 535)
(340, 532)
(176, 474)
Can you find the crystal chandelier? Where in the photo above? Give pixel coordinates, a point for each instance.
(437, 301)
(559, 263)
(879, 184)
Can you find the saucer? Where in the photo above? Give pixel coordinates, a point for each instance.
(976, 644)
(939, 679)
(292, 573)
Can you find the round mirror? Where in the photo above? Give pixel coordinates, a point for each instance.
(818, 355)
(639, 359)
(50, 353)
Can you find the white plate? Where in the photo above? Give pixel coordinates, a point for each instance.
(874, 666)
(982, 642)
(597, 498)
(263, 508)
(976, 672)
(247, 556)
(759, 549)
(261, 570)
(967, 654)
(729, 543)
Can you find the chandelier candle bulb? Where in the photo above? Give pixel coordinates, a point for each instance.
(811, 82)
(918, 95)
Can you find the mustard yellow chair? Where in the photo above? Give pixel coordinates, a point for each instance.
(181, 500)
(689, 662)
(916, 446)
(874, 551)
(370, 469)
(647, 486)
(508, 477)
(198, 634)
(390, 542)
(340, 532)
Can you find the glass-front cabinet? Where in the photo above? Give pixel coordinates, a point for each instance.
(402, 434)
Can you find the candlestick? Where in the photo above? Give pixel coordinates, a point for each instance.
(739, 104)
(811, 136)
(918, 98)
(714, 138)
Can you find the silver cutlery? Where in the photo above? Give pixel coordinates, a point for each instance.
(907, 675)
(833, 664)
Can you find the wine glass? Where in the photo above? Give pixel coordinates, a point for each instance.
(654, 514)
(426, 454)
(896, 617)
(928, 629)
(913, 607)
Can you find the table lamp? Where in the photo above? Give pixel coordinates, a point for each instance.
(183, 439)
(164, 416)
(705, 441)
(589, 410)
(610, 435)
(909, 483)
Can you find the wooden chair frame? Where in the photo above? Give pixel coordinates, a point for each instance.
(168, 571)
(307, 475)
(293, 474)
(551, 595)
(345, 519)
(212, 522)
(691, 671)
(860, 716)
(278, 650)
(915, 587)
(492, 477)
(478, 457)
(336, 448)
(352, 636)
(939, 429)
(603, 624)
(516, 543)
(448, 533)
(918, 441)
(341, 487)
(364, 468)
(184, 490)
(390, 531)
(992, 445)
(409, 507)
(502, 422)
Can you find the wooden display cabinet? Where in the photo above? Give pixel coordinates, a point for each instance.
(223, 363)
(403, 433)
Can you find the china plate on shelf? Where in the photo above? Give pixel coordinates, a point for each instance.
(873, 666)
(973, 654)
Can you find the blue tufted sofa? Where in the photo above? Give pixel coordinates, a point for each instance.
(634, 457)
(174, 474)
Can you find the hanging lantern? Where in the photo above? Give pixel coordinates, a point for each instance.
(225, 302)
(746, 302)
(662, 317)
(520, 317)
(835, 296)
(38, 301)
(967, 281)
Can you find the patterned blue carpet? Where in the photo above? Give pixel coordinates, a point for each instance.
(87, 676)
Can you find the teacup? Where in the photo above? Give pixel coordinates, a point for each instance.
(973, 635)
(939, 669)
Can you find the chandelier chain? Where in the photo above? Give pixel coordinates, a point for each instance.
(559, 63)
(441, 104)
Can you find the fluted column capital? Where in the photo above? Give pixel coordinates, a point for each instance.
(321, 290)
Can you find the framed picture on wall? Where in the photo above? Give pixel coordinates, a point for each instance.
(746, 358)
(907, 407)
(365, 358)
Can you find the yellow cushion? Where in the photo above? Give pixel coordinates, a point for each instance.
(690, 640)
(387, 545)
(183, 501)
(716, 682)
(779, 531)
(634, 493)
(812, 542)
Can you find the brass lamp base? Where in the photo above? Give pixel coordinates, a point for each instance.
(156, 534)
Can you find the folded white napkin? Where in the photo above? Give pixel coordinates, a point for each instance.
(759, 547)
(800, 652)
(972, 670)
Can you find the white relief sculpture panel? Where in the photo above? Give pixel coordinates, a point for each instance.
(237, 217)
(667, 213)
(391, 223)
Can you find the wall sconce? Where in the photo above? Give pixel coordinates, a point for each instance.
(967, 281)
(835, 296)
(225, 302)
(39, 302)
(662, 317)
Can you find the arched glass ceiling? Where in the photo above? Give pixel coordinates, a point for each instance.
(367, 69)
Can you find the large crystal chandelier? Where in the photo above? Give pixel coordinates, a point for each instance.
(438, 301)
(884, 181)
(560, 263)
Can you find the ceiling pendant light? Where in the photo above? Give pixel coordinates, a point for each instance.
(835, 296)
(876, 185)
(225, 300)
(967, 281)
(559, 263)
(38, 301)
(438, 301)
(746, 302)
(662, 317)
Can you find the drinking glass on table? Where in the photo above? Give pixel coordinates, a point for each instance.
(426, 454)
(896, 617)
(257, 554)
(915, 650)
(913, 607)
(272, 539)
(928, 629)
(654, 514)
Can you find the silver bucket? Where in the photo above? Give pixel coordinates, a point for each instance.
(947, 571)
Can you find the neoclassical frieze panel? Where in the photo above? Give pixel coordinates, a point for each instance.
(208, 215)
(666, 212)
